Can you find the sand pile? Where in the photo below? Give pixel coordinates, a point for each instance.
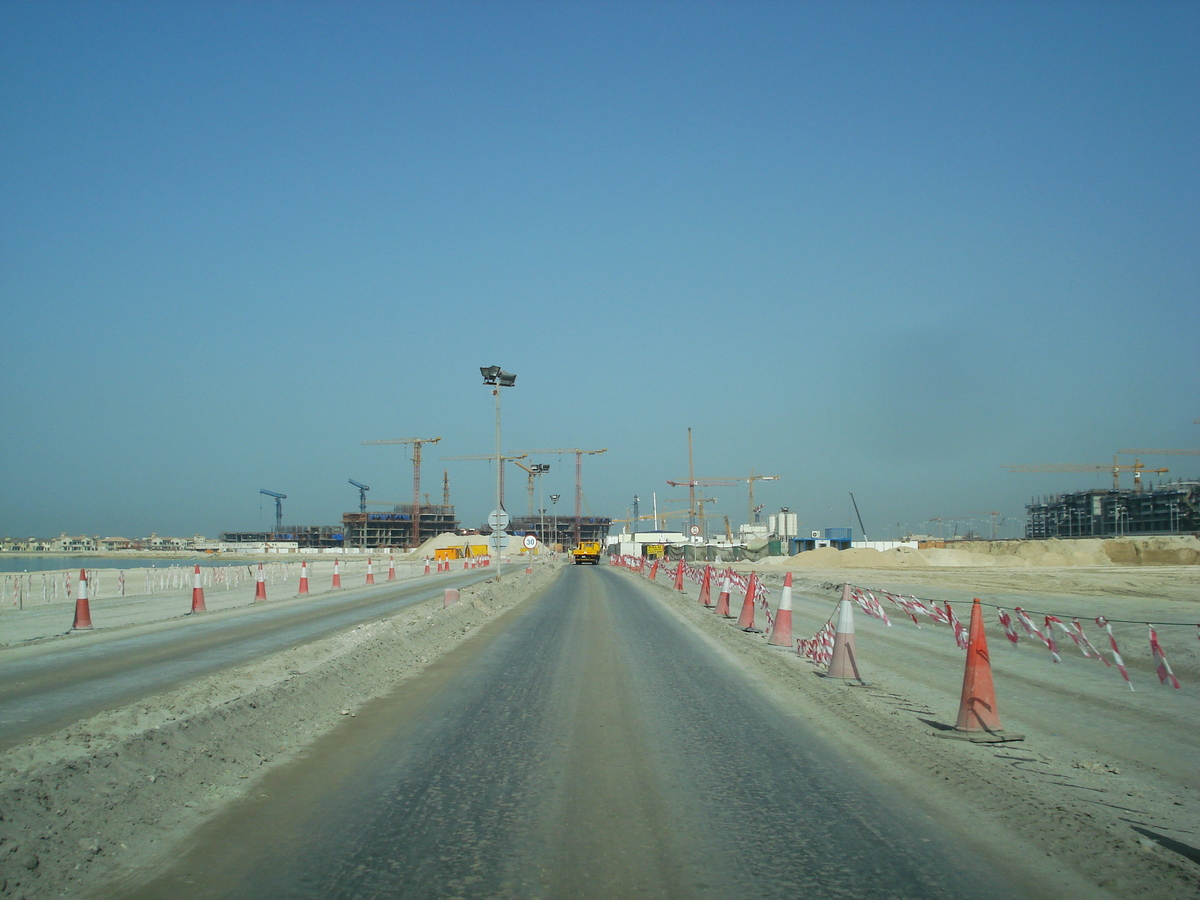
(1151, 551)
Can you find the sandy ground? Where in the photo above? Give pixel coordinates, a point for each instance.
(1107, 781)
(1103, 788)
(117, 791)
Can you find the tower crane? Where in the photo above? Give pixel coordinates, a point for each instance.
(490, 457)
(693, 482)
(1137, 468)
(279, 498)
(579, 454)
(416, 461)
(997, 519)
(362, 495)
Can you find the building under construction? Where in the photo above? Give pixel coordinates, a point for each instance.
(566, 531)
(321, 537)
(395, 528)
(1172, 508)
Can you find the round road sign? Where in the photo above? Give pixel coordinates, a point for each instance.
(498, 541)
(530, 542)
(695, 529)
(498, 520)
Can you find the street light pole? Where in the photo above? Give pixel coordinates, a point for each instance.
(554, 501)
(497, 378)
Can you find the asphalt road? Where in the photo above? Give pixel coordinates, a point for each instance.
(46, 687)
(589, 745)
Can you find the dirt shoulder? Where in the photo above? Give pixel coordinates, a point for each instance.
(116, 792)
(1089, 803)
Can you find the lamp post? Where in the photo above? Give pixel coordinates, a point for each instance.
(540, 469)
(497, 378)
(554, 502)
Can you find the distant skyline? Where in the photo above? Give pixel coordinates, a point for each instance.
(875, 247)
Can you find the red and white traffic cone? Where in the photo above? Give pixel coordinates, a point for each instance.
(723, 597)
(746, 619)
(654, 571)
(845, 660)
(197, 592)
(260, 590)
(679, 576)
(303, 577)
(391, 568)
(83, 613)
(337, 574)
(370, 572)
(706, 588)
(781, 634)
(977, 712)
(427, 565)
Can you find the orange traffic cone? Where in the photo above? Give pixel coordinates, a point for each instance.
(978, 718)
(781, 634)
(260, 590)
(83, 613)
(746, 619)
(706, 588)
(370, 572)
(391, 568)
(197, 592)
(679, 576)
(845, 660)
(723, 597)
(303, 578)
(337, 575)
(654, 571)
(427, 565)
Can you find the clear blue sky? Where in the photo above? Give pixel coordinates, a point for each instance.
(871, 247)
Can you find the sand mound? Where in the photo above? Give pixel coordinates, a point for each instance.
(1151, 551)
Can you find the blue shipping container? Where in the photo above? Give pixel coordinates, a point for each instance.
(838, 534)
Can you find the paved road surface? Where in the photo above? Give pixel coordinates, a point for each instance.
(43, 688)
(588, 746)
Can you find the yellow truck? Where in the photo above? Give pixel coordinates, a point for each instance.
(587, 553)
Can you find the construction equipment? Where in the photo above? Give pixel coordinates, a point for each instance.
(587, 553)
(489, 457)
(279, 498)
(861, 527)
(997, 519)
(693, 482)
(1116, 468)
(416, 461)
(362, 495)
(578, 477)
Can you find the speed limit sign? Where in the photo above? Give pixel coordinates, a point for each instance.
(530, 542)
(695, 530)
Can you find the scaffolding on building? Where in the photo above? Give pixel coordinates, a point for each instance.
(1171, 508)
(590, 528)
(394, 528)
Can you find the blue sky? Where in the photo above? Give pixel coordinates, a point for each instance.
(873, 247)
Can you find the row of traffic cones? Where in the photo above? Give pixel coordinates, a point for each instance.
(978, 716)
(83, 612)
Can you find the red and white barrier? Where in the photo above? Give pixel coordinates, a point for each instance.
(197, 592)
(83, 612)
(260, 588)
(781, 632)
